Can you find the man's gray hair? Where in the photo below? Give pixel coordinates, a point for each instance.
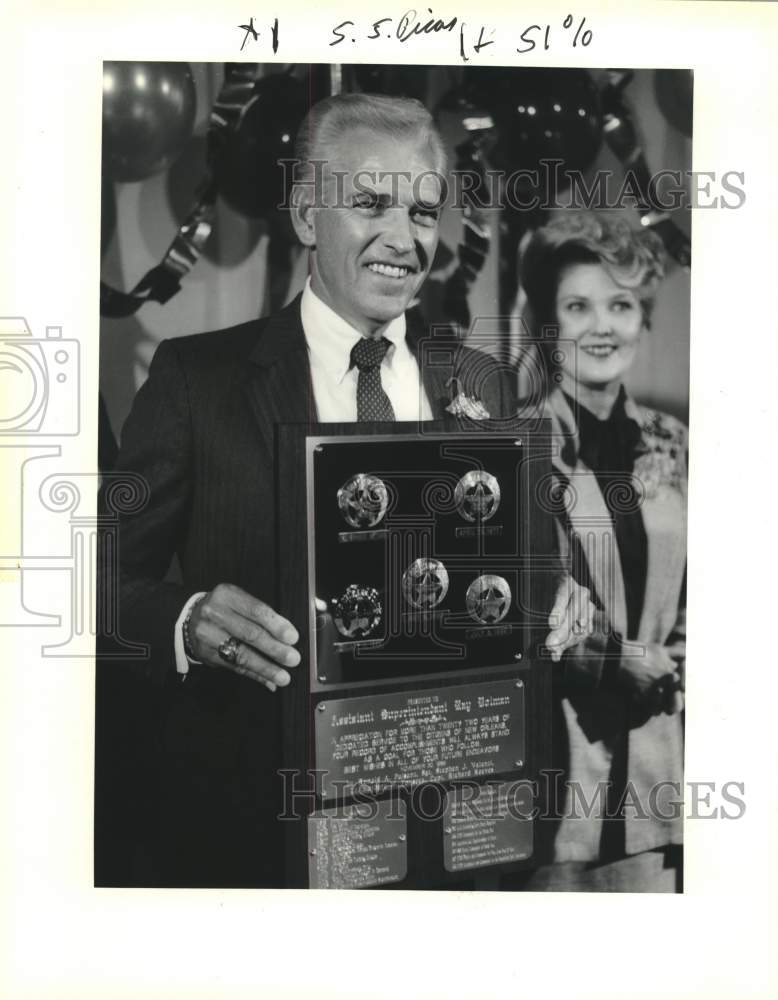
(326, 123)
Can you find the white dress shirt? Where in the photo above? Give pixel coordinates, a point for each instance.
(330, 340)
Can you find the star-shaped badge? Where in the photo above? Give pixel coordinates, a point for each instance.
(491, 606)
(488, 599)
(480, 501)
(425, 583)
(477, 495)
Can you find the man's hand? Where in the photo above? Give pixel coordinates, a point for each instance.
(571, 619)
(266, 640)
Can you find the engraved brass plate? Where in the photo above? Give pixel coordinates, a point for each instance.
(411, 737)
(353, 847)
(488, 825)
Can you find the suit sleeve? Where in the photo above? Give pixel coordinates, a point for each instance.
(156, 446)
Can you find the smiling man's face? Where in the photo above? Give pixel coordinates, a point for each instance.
(377, 236)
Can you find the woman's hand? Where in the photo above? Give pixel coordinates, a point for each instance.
(652, 677)
(571, 619)
(677, 653)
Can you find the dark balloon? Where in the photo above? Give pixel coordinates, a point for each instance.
(674, 89)
(249, 176)
(539, 114)
(233, 237)
(148, 116)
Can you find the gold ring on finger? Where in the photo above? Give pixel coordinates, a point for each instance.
(228, 650)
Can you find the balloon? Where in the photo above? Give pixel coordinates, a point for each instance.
(539, 114)
(148, 116)
(234, 237)
(674, 89)
(249, 176)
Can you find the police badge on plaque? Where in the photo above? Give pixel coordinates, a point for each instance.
(477, 496)
(477, 499)
(488, 599)
(363, 501)
(425, 584)
(357, 612)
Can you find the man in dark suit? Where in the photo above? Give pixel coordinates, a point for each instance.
(201, 432)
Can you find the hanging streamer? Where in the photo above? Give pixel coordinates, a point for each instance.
(621, 137)
(473, 248)
(163, 281)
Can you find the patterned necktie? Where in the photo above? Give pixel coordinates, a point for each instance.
(372, 401)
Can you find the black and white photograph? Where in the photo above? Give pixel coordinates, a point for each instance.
(489, 270)
(386, 410)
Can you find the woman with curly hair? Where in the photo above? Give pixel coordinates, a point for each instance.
(620, 473)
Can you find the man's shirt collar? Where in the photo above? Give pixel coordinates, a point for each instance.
(331, 339)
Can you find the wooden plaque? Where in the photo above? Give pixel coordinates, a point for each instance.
(424, 679)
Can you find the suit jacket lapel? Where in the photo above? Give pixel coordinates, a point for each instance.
(436, 379)
(436, 361)
(278, 384)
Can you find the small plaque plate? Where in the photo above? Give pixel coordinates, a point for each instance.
(357, 846)
(488, 825)
(411, 737)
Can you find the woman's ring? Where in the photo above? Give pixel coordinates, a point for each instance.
(228, 650)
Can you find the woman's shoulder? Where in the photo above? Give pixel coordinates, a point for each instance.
(663, 456)
(661, 427)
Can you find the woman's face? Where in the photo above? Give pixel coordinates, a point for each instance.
(602, 320)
